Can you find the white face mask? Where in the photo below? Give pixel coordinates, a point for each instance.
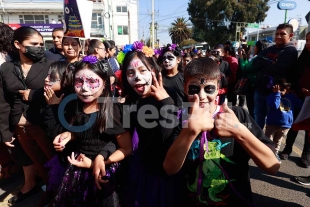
(170, 61)
(88, 85)
(139, 77)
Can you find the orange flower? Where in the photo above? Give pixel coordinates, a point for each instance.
(149, 52)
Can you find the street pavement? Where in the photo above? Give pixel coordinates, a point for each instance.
(268, 191)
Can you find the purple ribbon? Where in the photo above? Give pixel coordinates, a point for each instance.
(203, 141)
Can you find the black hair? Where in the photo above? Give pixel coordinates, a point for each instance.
(75, 38)
(106, 105)
(216, 57)
(187, 55)
(21, 34)
(202, 66)
(230, 50)
(57, 68)
(149, 62)
(286, 26)
(24, 33)
(109, 45)
(92, 45)
(261, 45)
(6, 36)
(58, 29)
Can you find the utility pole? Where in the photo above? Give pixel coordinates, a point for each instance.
(129, 28)
(153, 26)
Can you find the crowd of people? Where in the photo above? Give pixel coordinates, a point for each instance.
(147, 128)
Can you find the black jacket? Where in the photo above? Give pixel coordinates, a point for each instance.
(12, 105)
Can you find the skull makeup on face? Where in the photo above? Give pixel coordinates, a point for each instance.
(139, 77)
(88, 85)
(206, 90)
(170, 61)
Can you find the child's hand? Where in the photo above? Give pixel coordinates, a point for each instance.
(61, 140)
(158, 90)
(80, 161)
(200, 119)
(305, 91)
(51, 97)
(99, 171)
(226, 123)
(276, 88)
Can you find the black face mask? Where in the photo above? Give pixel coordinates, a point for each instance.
(34, 53)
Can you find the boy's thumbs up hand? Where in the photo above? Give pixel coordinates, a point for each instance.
(200, 119)
(226, 123)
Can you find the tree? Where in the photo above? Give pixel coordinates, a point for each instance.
(215, 20)
(187, 42)
(180, 30)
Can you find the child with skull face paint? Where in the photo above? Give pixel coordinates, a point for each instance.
(173, 77)
(148, 185)
(100, 141)
(213, 147)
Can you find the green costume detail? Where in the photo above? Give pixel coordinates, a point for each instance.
(213, 177)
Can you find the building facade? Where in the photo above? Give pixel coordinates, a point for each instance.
(111, 19)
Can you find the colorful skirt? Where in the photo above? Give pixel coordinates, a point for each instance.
(76, 186)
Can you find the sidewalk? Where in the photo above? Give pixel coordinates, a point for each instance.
(11, 187)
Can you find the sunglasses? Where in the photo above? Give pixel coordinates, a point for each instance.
(194, 89)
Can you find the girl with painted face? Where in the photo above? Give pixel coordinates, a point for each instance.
(173, 77)
(100, 140)
(148, 185)
(215, 143)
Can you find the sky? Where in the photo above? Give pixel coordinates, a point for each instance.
(166, 11)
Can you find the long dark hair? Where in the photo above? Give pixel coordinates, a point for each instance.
(149, 62)
(105, 104)
(6, 36)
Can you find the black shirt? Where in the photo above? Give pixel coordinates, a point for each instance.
(54, 54)
(175, 88)
(225, 165)
(224, 68)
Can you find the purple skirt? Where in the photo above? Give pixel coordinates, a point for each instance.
(147, 189)
(75, 186)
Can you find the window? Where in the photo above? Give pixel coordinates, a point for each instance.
(122, 30)
(33, 19)
(96, 21)
(121, 9)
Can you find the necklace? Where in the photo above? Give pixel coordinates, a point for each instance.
(25, 72)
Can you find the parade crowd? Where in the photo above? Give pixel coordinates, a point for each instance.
(140, 127)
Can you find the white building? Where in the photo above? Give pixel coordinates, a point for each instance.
(111, 19)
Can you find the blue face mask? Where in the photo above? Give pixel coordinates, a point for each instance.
(34, 53)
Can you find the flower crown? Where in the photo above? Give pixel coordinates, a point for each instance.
(136, 46)
(177, 51)
(91, 59)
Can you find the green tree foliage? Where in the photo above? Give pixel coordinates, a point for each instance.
(180, 30)
(187, 42)
(214, 20)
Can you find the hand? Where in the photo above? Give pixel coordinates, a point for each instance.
(25, 94)
(305, 91)
(276, 88)
(226, 123)
(51, 97)
(61, 140)
(158, 90)
(9, 144)
(80, 161)
(99, 171)
(200, 119)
